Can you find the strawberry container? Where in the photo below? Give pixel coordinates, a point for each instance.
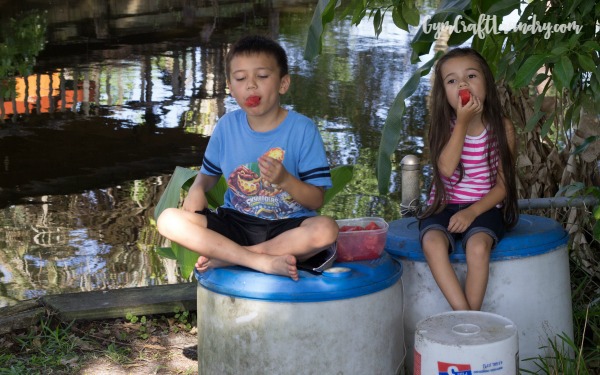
(361, 238)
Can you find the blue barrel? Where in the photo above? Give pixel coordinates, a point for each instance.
(529, 282)
(347, 320)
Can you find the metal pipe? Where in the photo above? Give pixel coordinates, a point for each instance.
(410, 185)
(557, 202)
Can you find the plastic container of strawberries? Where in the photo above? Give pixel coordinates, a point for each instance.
(361, 238)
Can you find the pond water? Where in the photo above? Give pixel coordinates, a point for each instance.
(123, 91)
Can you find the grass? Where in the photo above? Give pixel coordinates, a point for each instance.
(580, 355)
(42, 347)
(55, 347)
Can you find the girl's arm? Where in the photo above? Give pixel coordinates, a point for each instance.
(466, 115)
(461, 220)
(450, 155)
(196, 198)
(309, 196)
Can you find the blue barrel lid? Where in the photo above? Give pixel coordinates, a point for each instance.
(342, 281)
(533, 235)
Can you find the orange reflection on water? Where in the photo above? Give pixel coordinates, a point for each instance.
(45, 93)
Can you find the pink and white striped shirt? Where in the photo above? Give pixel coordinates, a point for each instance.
(476, 181)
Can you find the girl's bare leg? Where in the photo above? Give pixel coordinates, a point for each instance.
(189, 230)
(435, 247)
(478, 268)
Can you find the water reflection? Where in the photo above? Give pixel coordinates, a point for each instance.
(110, 118)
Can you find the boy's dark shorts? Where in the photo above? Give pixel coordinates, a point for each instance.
(489, 222)
(247, 230)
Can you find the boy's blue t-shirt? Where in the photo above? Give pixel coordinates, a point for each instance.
(234, 149)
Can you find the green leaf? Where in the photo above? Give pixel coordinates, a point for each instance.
(340, 177)
(378, 22)
(399, 21)
(559, 50)
(597, 212)
(186, 259)
(360, 11)
(390, 135)
(571, 190)
(597, 230)
(574, 6)
(563, 73)
(501, 8)
(166, 252)
(172, 194)
(533, 120)
(547, 126)
(216, 195)
(540, 78)
(586, 62)
(410, 14)
(591, 46)
(323, 14)
(528, 70)
(586, 143)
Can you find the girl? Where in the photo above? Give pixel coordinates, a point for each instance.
(473, 192)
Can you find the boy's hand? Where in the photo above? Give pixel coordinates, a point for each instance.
(195, 201)
(272, 170)
(460, 221)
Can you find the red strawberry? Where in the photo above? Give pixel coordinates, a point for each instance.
(465, 95)
(351, 228)
(253, 101)
(371, 226)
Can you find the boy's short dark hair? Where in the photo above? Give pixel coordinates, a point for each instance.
(254, 44)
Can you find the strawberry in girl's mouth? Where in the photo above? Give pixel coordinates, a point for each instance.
(252, 101)
(465, 95)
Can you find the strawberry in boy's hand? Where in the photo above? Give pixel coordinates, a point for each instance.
(465, 95)
(252, 101)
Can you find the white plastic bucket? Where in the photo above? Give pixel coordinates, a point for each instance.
(465, 343)
(529, 283)
(346, 321)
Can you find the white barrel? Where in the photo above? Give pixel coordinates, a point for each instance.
(529, 283)
(466, 342)
(346, 321)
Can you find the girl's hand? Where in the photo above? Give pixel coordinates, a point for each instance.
(468, 111)
(460, 221)
(272, 170)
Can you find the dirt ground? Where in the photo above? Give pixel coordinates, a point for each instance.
(110, 347)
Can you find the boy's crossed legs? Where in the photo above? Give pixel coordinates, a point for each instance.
(278, 255)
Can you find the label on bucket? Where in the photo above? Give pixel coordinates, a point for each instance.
(417, 363)
(454, 369)
(445, 368)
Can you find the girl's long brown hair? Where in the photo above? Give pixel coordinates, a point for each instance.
(439, 134)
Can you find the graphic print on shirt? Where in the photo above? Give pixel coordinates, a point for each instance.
(254, 195)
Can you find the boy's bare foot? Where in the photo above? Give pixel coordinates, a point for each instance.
(203, 264)
(284, 265)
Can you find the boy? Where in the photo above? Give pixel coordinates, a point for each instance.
(276, 171)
